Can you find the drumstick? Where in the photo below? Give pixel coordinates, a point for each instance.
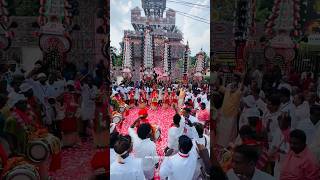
(83, 77)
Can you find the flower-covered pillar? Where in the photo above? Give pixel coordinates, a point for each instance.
(166, 60)
(6, 26)
(127, 58)
(148, 55)
(198, 76)
(55, 22)
(186, 61)
(282, 26)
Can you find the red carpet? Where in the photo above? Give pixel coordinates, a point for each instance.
(75, 163)
(162, 118)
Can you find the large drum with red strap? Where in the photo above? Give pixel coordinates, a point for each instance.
(116, 117)
(24, 171)
(39, 149)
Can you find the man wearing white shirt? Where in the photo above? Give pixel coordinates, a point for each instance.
(187, 124)
(88, 104)
(270, 117)
(203, 140)
(181, 165)
(114, 136)
(286, 104)
(144, 148)
(174, 133)
(243, 165)
(126, 167)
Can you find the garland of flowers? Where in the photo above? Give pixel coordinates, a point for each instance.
(280, 15)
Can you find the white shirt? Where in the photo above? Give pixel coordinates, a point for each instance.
(113, 156)
(130, 170)
(205, 140)
(56, 88)
(144, 149)
(274, 122)
(278, 141)
(191, 132)
(178, 167)
(288, 107)
(173, 136)
(39, 90)
(88, 95)
(285, 85)
(258, 175)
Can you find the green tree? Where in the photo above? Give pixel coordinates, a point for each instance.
(264, 9)
(24, 7)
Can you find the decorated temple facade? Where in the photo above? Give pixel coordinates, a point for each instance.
(155, 44)
(78, 33)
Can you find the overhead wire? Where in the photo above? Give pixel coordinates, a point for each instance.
(188, 3)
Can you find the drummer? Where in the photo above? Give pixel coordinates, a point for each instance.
(19, 123)
(143, 115)
(144, 147)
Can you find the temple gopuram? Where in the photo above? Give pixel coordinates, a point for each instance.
(155, 45)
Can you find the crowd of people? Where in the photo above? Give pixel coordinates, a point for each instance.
(134, 155)
(53, 109)
(267, 124)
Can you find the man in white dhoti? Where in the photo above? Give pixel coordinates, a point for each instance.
(126, 167)
(181, 165)
(175, 131)
(301, 117)
(88, 97)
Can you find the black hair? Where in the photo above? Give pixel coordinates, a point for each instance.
(301, 97)
(285, 92)
(299, 134)
(199, 128)
(3, 100)
(314, 109)
(203, 104)
(246, 130)
(144, 130)
(188, 110)
(250, 153)
(274, 100)
(123, 144)
(101, 176)
(253, 121)
(185, 144)
(176, 119)
(113, 139)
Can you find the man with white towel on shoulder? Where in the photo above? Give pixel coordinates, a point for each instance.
(126, 167)
(144, 147)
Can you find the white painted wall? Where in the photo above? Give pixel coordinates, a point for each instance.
(29, 56)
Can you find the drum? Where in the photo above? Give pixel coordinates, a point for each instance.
(38, 150)
(122, 109)
(156, 132)
(117, 118)
(23, 172)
